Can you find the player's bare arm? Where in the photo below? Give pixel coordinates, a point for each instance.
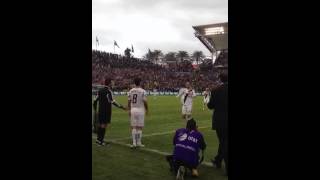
(129, 107)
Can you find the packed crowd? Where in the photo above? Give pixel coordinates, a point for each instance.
(163, 78)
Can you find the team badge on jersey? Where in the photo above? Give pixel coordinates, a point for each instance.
(183, 137)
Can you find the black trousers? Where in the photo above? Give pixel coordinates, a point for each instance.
(175, 164)
(222, 135)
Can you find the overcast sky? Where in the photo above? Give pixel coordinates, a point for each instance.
(155, 24)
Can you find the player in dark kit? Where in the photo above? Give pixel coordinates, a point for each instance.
(105, 100)
(188, 142)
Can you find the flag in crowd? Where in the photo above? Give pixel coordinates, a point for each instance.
(97, 40)
(116, 44)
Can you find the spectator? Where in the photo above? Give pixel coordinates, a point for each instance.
(219, 102)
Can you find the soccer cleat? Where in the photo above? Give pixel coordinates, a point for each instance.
(169, 160)
(216, 164)
(98, 142)
(102, 144)
(133, 146)
(180, 173)
(195, 173)
(140, 145)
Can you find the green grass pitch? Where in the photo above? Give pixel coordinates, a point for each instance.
(118, 162)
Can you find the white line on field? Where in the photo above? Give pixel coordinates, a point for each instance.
(153, 134)
(149, 150)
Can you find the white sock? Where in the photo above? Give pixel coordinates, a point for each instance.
(137, 137)
(134, 137)
(139, 133)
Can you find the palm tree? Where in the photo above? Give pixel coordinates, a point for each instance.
(149, 55)
(170, 56)
(157, 54)
(182, 55)
(197, 55)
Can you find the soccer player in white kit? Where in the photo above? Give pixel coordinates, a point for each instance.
(206, 97)
(138, 107)
(186, 94)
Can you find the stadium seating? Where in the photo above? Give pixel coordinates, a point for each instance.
(165, 78)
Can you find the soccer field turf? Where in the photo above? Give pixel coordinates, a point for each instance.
(119, 162)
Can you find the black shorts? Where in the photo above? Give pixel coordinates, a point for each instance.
(104, 117)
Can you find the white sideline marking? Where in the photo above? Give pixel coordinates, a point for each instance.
(149, 150)
(154, 134)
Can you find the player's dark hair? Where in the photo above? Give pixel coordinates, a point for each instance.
(224, 77)
(191, 124)
(107, 81)
(137, 81)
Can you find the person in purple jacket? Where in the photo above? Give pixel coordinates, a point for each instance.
(187, 145)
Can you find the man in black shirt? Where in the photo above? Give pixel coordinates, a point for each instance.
(219, 102)
(105, 100)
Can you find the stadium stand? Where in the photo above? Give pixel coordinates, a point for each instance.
(167, 78)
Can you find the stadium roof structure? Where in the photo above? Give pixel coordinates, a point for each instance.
(220, 67)
(213, 36)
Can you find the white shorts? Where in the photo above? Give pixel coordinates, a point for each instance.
(137, 117)
(187, 109)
